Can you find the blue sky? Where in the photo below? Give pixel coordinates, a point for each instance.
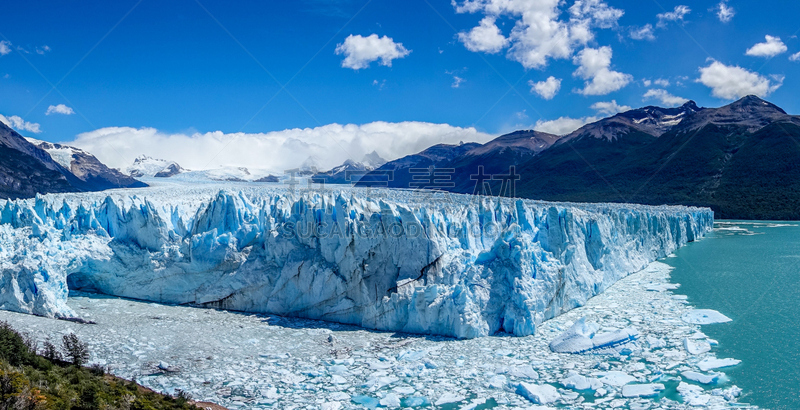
(188, 68)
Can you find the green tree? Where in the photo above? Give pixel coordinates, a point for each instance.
(77, 351)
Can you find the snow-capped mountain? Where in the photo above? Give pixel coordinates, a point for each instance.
(526, 142)
(398, 173)
(737, 159)
(350, 171)
(85, 166)
(751, 113)
(650, 120)
(372, 160)
(309, 167)
(145, 166)
(26, 169)
(29, 167)
(227, 174)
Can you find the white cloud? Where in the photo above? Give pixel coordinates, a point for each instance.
(770, 48)
(276, 151)
(563, 125)
(19, 124)
(676, 15)
(547, 89)
(485, 38)
(725, 13)
(594, 67)
(609, 107)
(793, 57)
(539, 33)
(457, 81)
(643, 33)
(360, 51)
(647, 83)
(601, 14)
(42, 50)
(59, 109)
(5, 47)
(732, 82)
(664, 97)
(662, 82)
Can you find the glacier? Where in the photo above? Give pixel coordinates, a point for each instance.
(396, 260)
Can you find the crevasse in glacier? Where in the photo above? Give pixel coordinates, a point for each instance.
(462, 266)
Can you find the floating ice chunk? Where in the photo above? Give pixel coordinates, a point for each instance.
(538, 393)
(449, 398)
(616, 378)
(497, 382)
(656, 343)
(701, 378)
(380, 365)
(166, 367)
(391, 400)
(693, 395)
(575, 381)
(366, 401)
(332, 405)
(416, 401)
(338, 369)
(378, 380)
(412, 356)
(404, 390)
(642, 390)
(473, 404)
(662, 287)
(729, 394)
(714, 363)
(336, 396)
(696, 348)
(581, 337)
(704, 317)
(523, 372)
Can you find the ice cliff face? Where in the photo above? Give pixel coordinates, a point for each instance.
(457, 265)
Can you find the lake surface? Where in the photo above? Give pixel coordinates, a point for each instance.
(750, 271)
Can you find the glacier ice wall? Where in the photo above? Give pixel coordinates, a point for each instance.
(462, 266)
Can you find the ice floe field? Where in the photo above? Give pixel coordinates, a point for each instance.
(242, 360)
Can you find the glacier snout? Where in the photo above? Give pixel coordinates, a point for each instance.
(466, 268)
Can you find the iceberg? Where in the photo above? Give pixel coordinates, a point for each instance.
(696, 348)
(576, 381)
(714, 363)
(702, 378)
(616, 378)
(642, 390)
(704, 317)
(461, 266)
(538, 393)
(582, 337)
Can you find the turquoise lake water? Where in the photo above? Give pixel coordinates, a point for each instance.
(750, 271)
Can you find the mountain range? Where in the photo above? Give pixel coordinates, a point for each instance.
(349, 171)
(742, 160)
(28, 167)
